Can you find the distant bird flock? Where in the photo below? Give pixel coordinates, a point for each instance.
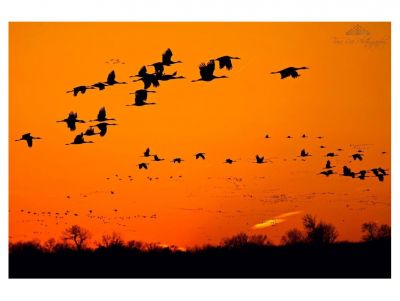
(152, 80)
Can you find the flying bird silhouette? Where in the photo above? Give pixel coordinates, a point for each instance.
(99, 85)
(79, 140)
(80, 89)
(147, 153)
(327, 172)
(90, 132)
(290, 71)
(331, 155)
(347, 172)
(177, 160)
(28, 138)
(200, 155)
(328, 165)
(101, 116)
(303, 153)
(143, 165)
(156, 158)
(141, 97)
(229, 161)
(226, 61)
(147, 78)
(102, 126)
(357, 156)
(111, 79)
(71, 121)
(166, 58)
(259, 160)
(267, 136)
(207, 72)
(165, 77)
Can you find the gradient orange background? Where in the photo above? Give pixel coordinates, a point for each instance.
(344, 97)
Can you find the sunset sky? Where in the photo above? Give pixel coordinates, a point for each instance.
(344, 97)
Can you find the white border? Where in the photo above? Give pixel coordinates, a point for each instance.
(205, 10)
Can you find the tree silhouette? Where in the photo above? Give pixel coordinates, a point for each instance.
(111, 241)
(242, 240)
(292, 237)
(374, 232)
(319, 233)
(77, 235)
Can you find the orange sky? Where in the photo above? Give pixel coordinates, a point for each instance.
(344, 97)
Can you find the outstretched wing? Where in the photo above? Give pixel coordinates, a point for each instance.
(29, 141)
(228, 63)
(154, 81)
(143, 71)
(111, 77)
(78, 139)
(103, 129)
(206, 71)
(294, 74)
(159, 68)
(102, 113)
(166, 57)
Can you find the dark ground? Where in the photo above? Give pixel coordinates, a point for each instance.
(338, 260)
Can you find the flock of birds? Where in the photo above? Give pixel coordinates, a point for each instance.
(102, 122)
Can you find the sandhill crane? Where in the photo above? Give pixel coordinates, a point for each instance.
(357, 156)
(207, 72)
(290, 71)
(147, 153)
(331, 155)
(226, 61)
(111, 79)
(362, 174)
(101, 116)
(289, 137)
(328, 165)
(71, 120)
(102, 126)
(165, 77)
(90, 132)
(267, 136)
(259, 160)
(303, 153)
(81, 89)
(327, 172)
(100, 85)
(381, 170)
(141, 95)
(347, 172)
(143, 165)
(156, 158)
(200, 155)
(79, 140)
(319, 137)
(148, 79)
(28, 138)
(229, 161)
(304, 136)
(166, 58)
(177, 160)
(158, 68)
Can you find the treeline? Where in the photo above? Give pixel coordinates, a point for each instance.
(308, 253)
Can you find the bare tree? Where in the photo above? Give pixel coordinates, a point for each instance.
(373, 232)
(113, 240)
(292, 237)
(77, 235)
(319, 233)
(236, 241)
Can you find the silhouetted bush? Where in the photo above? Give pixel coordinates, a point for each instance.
(319, 233)
(292, 237)
(373, 232)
